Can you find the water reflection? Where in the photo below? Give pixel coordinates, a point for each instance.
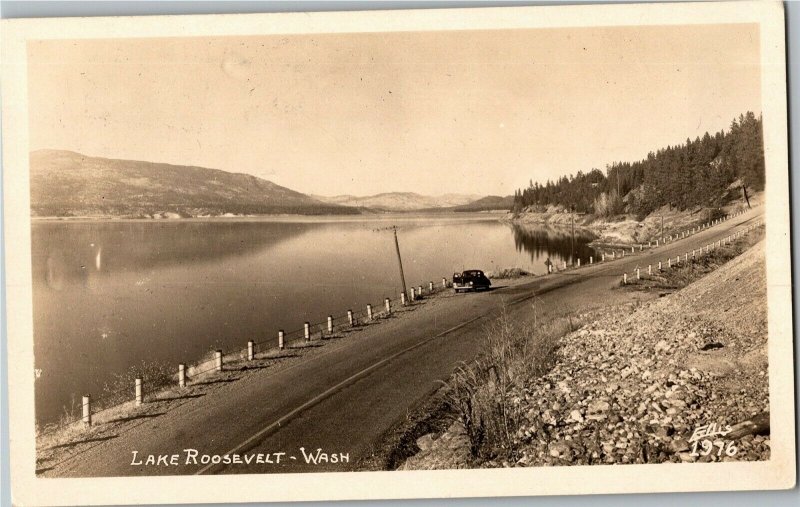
(78, 252)
(109, 295)
(555, 242)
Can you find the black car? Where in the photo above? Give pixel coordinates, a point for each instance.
(471, 279)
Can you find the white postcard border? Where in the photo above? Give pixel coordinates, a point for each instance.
(777, 473)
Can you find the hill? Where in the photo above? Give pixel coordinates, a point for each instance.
(400, 201)
(488, 203)
(65, 183)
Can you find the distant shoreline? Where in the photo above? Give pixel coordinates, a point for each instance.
(376, 215)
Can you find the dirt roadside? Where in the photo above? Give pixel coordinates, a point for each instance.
(637, 382)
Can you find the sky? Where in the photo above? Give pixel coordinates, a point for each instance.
(479, 112)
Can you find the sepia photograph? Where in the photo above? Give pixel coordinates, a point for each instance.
(509, 240)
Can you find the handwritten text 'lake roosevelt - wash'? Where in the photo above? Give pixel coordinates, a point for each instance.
(194, 457)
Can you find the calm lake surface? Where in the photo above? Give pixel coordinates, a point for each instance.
(108, 295)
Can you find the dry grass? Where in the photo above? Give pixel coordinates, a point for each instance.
(117, 393)
(484, 394)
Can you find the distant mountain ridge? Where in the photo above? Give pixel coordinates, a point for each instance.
(65, 183)
(488, 203)
(401, 201)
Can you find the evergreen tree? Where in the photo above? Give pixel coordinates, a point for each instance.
(697, 173)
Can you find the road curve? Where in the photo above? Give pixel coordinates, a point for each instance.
(343, 398)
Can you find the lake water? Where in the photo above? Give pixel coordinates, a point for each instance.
(108, 295)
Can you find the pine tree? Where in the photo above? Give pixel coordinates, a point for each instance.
(696, 173)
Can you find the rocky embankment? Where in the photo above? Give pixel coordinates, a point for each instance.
(624, 229)
(635, 385)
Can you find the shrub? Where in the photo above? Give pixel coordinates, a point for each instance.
(508, 273)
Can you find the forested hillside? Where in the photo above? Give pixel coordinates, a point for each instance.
(707, 171)
(488, 203)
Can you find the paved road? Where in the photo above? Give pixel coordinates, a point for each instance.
(343, 398)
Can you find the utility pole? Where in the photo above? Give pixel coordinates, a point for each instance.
(399, 260)
(572, 244)
(662, 225)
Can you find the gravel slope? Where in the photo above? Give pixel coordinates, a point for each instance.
(634, 385)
